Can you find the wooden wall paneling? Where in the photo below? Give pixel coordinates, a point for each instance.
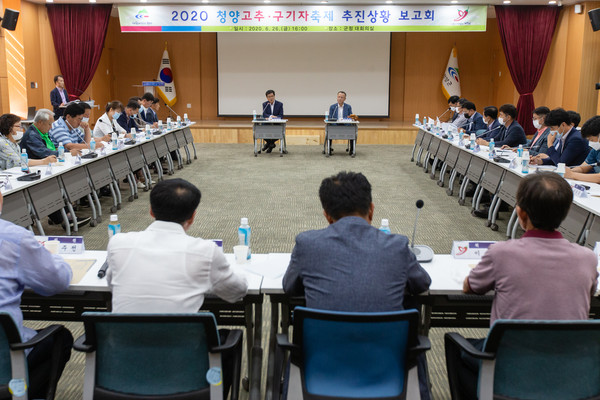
(397, 74)
(590, 67)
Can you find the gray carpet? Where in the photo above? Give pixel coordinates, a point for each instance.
(280, 198)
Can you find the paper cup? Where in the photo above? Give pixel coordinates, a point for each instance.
(241, 254)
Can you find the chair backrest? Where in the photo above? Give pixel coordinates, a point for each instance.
(546, 359)
(151, 354)
(9, 333)
(357, 355)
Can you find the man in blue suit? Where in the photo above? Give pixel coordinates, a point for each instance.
(565, 143)
(146, 113)
(351, 265)
(127, 118)
(59, 97)
(271, 109)
(474, 119)
(512, 133)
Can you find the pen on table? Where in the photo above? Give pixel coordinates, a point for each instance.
(102, 270)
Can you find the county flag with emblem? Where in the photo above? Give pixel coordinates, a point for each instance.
(451, 80)
(165, 74)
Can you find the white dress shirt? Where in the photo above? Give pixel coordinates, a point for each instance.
(105, 126)
(163, 270)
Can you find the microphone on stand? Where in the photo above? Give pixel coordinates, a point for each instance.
(422, 252)
(82, 93)
(491, 130)
(444, 113)
(170, 109)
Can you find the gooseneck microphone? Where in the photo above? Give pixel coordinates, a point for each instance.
(444, 113)
(422, 252)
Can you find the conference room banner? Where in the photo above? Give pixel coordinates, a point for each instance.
(247, 18)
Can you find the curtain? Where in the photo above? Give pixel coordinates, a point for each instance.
(78, 31)
(526, 33)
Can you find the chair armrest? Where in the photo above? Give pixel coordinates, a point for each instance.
(423, 344)
(43, 334)
(465, 345)
(284, 343)
(233, 339)
(80, 345)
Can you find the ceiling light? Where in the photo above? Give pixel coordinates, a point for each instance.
(454, 2)
(506, 1)
(267, 1)
(49, 1)
(388, 1)
(92, 1)
(143, 1)
(323, 1)
(205, 1)
(552, 2)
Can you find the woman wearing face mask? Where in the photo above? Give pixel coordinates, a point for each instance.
(107, 123)
(10, 153)
(589, 171)
(539, 142)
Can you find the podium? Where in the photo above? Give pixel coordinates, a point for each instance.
(148, 87)
(341, 130)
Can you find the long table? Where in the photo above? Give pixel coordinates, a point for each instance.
(26, 203)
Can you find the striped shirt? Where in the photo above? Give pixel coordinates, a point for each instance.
(61, 133)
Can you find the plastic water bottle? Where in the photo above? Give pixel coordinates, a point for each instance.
(114, 226)
(169, 123)
(525, 162)
(115, 141)
(492, 152)
(244, 233)
(326, 116)
(253, 115)
(472, 138)
(61, 152)
(186, 120)
(92, 145)
(385, 226)
(133, 134)
(417, 121)
(520, 151)
(179, 121)
(24, 161)
(148, 132)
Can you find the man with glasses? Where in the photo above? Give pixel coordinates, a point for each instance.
(65, 129)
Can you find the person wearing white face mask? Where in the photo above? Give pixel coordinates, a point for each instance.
(10, 153)
(453, 106)
(65, 129)
(512, 133)
(539, 142)
(589, 171)
(107, 123)
(459, 120)
(565, 143)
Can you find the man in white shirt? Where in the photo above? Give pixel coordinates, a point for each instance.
(107, 123)
(162, 269)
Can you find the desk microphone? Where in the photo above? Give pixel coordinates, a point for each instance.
(170, 109)
(265, 107)
(488, 131)
(102, 270)
(422, 252)
(444, 113)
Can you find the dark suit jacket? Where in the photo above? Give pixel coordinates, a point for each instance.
(492, 132)
(35, 146)
(149, 116)
(353, 266)
(126, 122)
(513, 136)
(475, 123)
(573, 152)
(333, 111)
(277, 109)
(541, 145)
(56, 101)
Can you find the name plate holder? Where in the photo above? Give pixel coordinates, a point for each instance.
(470, 250)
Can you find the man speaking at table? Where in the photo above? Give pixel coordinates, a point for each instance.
(271, 109)
(351, 265)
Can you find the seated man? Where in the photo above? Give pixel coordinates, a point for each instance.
(557, 286)
(474, 121)
(36, 140)
(351, 265)
(575, 118)
(127, 118)
(340, 110)
(453, 106)
(565, 143)
(65, 129)
(146, 113)
(162, 269)
(512, 133)
(155, 107)
(589, 171)
(492, 126)
(271, 109)
(460, 121)
(26, 263)
(539, 143)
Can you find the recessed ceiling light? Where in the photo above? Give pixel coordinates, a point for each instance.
(552, 2)
(143, 1)
(49, 1)
(92, 1)
(323, 1)
(454, 2)
(267, 1)
(506, 1)
(205, 1)
(388, 1)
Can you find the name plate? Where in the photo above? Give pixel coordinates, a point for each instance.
(66, 244)
(579, 191)
(469, 250)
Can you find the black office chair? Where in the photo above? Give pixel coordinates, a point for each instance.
(156, 356)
